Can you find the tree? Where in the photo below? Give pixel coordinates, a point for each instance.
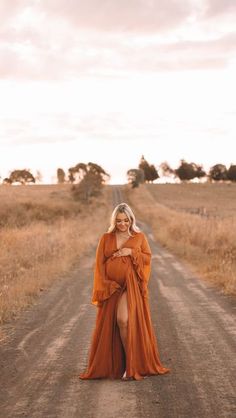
(166, 170)
(153, 173)
(150, 172)
(189, 171)
(218, 172)
(231, 173)
(71, 176)
(90, 185)
(199, 171)
(135, 177)
(7, 181)
(61, 175)
(21, 176)
(98, 171)
(77, 173)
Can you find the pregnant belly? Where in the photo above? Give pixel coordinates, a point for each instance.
(116, 269)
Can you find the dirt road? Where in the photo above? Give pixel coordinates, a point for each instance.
(48, 346)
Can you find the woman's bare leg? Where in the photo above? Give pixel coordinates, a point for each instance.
(122, 318)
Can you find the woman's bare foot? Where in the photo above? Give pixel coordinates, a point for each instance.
(124, 377)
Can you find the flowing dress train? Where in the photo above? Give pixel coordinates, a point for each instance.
(112, 276)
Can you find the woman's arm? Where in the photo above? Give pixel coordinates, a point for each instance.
(142, 254)
(141, 259)
(102, 287)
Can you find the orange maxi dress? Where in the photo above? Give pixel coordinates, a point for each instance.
(112, 276)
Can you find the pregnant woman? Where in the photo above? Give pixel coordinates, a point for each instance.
(123, 344)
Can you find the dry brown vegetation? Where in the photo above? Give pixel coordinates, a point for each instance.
(213, 200)
(195, 221)
(43, 234)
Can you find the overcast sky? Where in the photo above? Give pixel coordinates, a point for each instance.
(108, 81)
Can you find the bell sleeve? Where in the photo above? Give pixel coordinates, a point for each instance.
(141, 260)
(102, 287)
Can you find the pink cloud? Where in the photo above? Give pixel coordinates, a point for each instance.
(48, 63)
(64, 127)
(70, 39)
(220, 7)
(128, 16)
(9, 9)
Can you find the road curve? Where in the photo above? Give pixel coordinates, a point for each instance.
(48, 346)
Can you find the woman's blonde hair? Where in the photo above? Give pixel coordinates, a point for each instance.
(123, 208)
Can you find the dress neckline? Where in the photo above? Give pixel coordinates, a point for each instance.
(125, 242)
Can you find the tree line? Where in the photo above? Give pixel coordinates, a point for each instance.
(87, 179)
(148, 173)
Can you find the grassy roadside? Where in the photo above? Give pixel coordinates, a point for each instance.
(44, 236)
(207, 243)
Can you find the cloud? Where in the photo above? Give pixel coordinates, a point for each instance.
(10, 9)
(126, 16)
(56, 40)
(215, 8)
(42, 129)
(64, 127)
(98, 59)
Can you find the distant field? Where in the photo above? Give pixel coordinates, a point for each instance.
(43, 233)
(22, 205)
(35, 192)
(195, 221)
(209, 199)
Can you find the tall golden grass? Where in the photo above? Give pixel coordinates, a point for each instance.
(207, 240)
(43, 234)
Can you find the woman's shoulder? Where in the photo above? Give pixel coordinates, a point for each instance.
(104, 239)
(138, 234)
(141, 236)
(106, 235)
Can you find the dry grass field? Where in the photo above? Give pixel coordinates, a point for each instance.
(213, 200)
(43, 234)
(195, 221)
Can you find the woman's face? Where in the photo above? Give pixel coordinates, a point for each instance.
(122, 222)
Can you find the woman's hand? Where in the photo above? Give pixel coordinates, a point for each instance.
(123, 252)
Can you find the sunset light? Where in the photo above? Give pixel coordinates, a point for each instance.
(117, 208)
(154, 79)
